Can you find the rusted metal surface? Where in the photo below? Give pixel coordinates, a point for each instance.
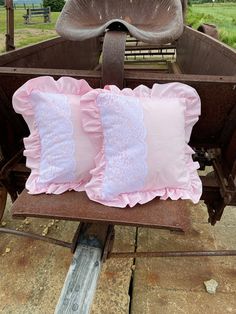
(113, 58)
(168, 214)
(158, 22)
(110, 237)
(213, 157)
(10, 25)
(12, 127)
(5, 175)
(227, 187)
(229, 127)
(55, 53)
(184, 5)
(212, 197)
(3, 200)
(76, 238)
(219, 188)
(172, 254)
(229, 154)
(209, 29)
(198, 53)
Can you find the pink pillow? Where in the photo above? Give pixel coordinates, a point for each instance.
(59, 153)
(143, 135)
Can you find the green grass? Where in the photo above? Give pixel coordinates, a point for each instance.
(223, 15)
(28, 34)
(19, 21)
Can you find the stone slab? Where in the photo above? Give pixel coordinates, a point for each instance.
(162, 301)
(176, 285)
(33, 273)
(113, 288)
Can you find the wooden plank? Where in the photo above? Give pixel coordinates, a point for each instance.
(81, 281)
(10, 25)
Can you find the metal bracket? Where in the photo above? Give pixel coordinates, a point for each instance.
(202, 157)
(212, 157)
(227, 187)
(108, 243)
(225, 191)
(113, 53)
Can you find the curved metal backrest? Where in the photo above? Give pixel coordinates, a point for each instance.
(159, 21)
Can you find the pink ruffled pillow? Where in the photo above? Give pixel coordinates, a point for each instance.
(59, 152)
(143, 135)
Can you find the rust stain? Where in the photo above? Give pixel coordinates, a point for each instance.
(22, 261)
(195, 233)
(231, 272)
(152, 278)
(110, 274)
(13, 292)
(21, 297)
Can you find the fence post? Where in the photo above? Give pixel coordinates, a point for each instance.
(10, 25)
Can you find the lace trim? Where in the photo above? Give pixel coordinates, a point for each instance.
(124, 140)
(53, 120)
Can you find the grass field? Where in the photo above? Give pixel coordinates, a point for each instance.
(27, 34)
(222, 15)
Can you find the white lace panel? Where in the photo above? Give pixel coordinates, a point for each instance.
(53, 120)
(124, 144)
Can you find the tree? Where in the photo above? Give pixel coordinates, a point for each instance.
(56, 5)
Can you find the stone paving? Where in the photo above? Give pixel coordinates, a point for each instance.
(176, 285)
(32, 273)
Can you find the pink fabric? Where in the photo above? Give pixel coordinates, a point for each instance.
(58, 151)
(169, 113)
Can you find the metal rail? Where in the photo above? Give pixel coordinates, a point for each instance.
(172, 254)
(108, 254)
(36, 237)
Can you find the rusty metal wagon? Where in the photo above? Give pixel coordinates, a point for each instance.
(115, 47)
